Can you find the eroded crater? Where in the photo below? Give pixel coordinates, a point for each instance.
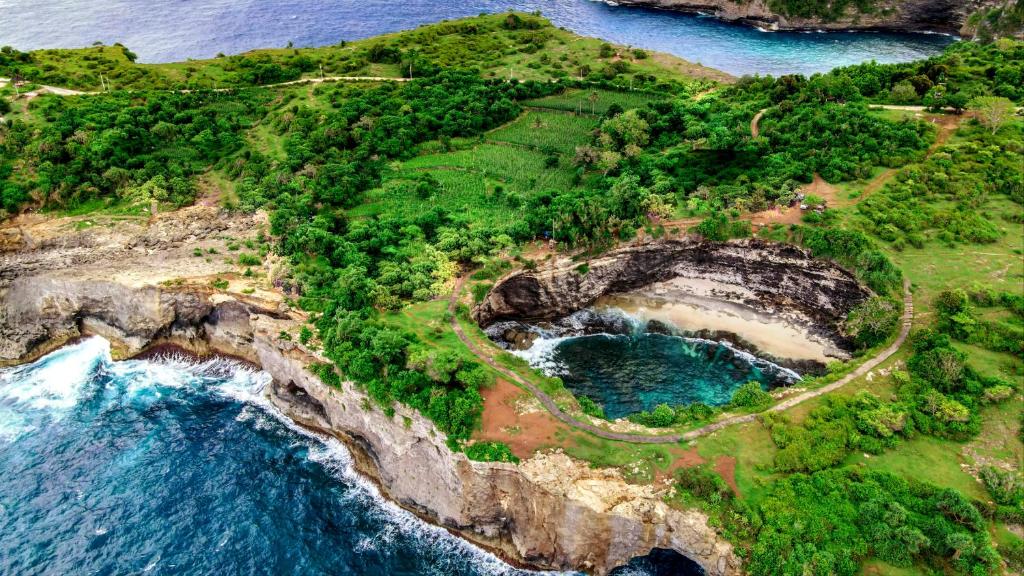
(675, 321)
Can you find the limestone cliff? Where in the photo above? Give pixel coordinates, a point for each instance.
(947, 16)
(549, 511)
(779, 280)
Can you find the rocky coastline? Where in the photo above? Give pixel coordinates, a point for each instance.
(945, 16)
(549, 511)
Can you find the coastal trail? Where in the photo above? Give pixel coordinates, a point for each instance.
(549, 403)
(58, 91)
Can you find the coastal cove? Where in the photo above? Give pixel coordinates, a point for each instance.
(486, 296)
(179, 30)
(115, 507)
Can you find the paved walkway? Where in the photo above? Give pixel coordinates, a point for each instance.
(486, 357)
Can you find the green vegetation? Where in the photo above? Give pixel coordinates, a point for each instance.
(954, 196)
(532, 49)
(380, 193)
(596, 101)
(873, 321)
(545, 131)
(750, 395)
(821, 9)
(490, 452)
(831, 520)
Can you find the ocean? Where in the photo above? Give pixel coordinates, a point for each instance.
(175, 30)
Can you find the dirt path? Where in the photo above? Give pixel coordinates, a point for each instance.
(69, 92)
(549, 403)
(755, 123)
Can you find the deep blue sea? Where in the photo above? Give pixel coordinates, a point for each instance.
(172, 30)
(174, 466)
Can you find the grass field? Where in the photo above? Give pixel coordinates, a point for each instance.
(580, 100)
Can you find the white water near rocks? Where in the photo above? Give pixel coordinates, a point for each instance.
(68, 392)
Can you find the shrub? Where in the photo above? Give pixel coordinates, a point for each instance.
(480, 291)
(832, 520)
(1005, 486)
(490, 452)
(248, 260)
(590, 407)
(750, 395)
(872, 322)
(703, 484)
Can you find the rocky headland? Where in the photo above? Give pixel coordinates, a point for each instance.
(139, 284)
(945, 16)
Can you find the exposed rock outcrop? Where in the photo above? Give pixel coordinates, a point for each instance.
(947, 16)
(776, 279)
(549, 511)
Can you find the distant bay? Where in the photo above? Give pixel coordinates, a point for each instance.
(174, 30)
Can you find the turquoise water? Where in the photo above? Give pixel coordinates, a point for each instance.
(178, 467)
(629, 373)
(174, 30)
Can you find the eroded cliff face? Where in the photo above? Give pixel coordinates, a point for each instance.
(549, 511)
(947, 16)
(778, 280)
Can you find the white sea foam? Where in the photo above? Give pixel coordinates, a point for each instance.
(541, 355)
(13, 425)
(55, 381)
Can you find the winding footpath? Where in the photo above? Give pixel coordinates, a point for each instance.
(549, 403)
(69, 92)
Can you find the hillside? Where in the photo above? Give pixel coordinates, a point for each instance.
(523, 47)
(358, 218)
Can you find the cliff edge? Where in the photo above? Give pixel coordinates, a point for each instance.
(549, 511)
(945, 16)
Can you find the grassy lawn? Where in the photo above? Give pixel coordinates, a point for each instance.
(638, 462)
(752, 446)
(926, 459)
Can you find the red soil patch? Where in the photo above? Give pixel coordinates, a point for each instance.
(725, 466)
(524, 433)
(687, 459)
(793, 214)
(818, 187)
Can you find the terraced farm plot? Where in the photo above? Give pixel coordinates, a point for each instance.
(558, 130)
(576, 100)
(517, 169)
(487, 185)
